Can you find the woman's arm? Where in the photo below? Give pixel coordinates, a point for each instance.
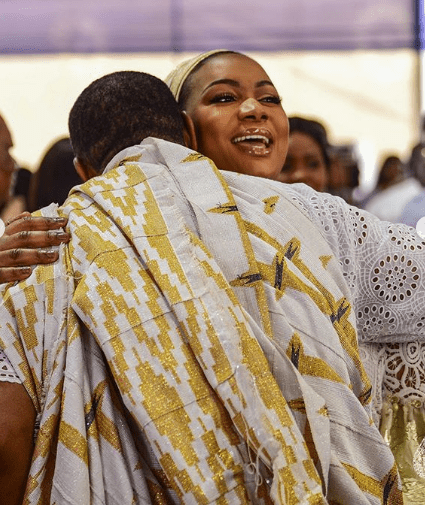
(383, 264)
(17, 417)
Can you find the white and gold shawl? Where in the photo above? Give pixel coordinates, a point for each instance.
(200, 324)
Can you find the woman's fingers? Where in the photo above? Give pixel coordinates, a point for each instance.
(27, 257)
(12, 274)
(29, 241)
(30, 232)
(32, 240)
(19, 216)
(27, 222)
(15, 264)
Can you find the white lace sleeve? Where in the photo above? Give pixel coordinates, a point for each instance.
(383, 264)
(7, 372)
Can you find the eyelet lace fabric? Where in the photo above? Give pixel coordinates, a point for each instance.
(384, 267)
(382, 263)
(405, 371)
(7, 372)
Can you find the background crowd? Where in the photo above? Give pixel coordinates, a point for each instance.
(397, 195)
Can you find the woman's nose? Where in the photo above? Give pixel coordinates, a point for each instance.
(299, 174)
(252, 109)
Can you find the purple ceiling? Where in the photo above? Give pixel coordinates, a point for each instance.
(42, 26)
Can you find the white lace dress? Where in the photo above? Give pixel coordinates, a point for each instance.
(384, 266)
(7, 373)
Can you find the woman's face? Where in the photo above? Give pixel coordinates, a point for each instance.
(239, 121)
(304, 162)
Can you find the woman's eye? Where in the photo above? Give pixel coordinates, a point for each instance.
(271, 99)
(223, 98)
(314, 164)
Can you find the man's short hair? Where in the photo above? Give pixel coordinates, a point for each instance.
(120, 110)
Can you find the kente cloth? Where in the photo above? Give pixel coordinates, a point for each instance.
(202, 320)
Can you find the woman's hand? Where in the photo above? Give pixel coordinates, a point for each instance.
(28, 241)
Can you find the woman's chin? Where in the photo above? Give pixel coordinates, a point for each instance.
(257, 170)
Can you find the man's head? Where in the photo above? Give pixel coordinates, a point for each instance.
(120, 110)
(7, 163)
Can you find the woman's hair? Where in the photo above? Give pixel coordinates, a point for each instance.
(315, 130)
(186, 86)
(391, 171)
(180, 78)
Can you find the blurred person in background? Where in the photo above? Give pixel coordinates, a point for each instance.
(391, 172)
(394, 188)
(55, 176)
(415, 208)
(22, 186)
(7, 168)
(344, 171)
(14, 180)
(311, 159)
(26, 240)
(308, 159)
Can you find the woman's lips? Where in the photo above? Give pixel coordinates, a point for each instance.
(254, 141)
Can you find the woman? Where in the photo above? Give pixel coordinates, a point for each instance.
(238, 122)
(308, 159)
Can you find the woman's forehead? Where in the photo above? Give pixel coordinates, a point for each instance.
(237, 67)
(298, 137)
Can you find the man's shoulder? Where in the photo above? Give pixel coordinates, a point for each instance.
(261, 188)
(150, 151)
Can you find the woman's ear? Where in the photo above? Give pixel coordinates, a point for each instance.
(189, 134)
(86, 172)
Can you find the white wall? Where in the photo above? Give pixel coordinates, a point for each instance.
(368, 97)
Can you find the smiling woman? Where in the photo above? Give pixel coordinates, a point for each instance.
(234, 115)
(236, 112)
(308, 154)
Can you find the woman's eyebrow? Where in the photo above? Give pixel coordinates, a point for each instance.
(236, 84)
(232, 82)
(264, 83)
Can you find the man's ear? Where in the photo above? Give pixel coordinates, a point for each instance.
(189, 134)
(86, 172)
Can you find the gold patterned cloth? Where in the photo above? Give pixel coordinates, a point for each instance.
(403, 427)
(199, 321)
